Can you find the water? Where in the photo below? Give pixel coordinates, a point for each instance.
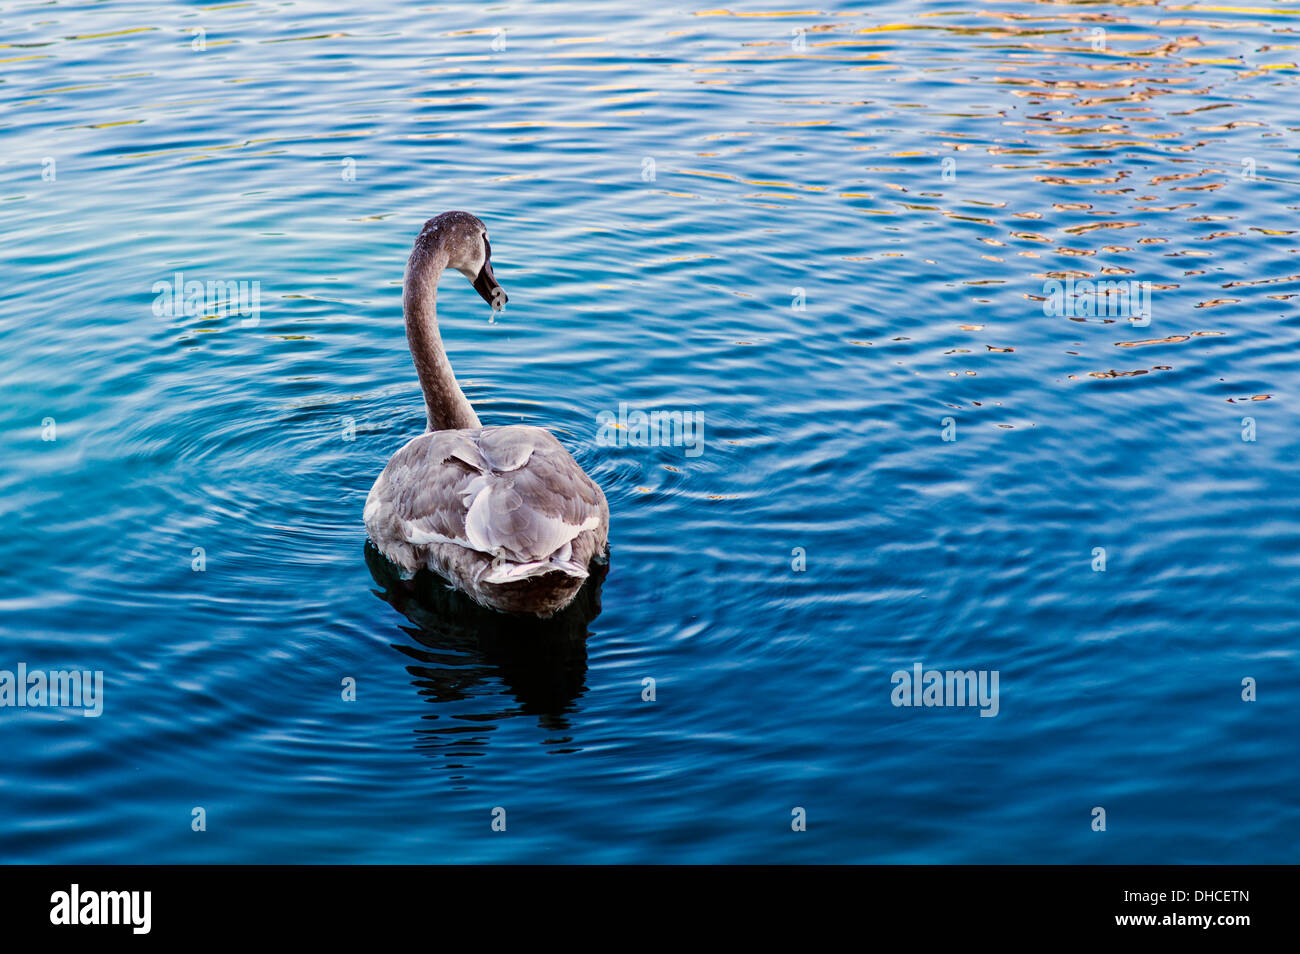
(658, 187)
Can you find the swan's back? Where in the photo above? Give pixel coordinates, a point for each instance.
(503, 513)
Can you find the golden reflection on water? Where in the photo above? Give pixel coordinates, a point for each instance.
(1112, 101)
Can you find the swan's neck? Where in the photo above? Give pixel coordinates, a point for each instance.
(446, 404)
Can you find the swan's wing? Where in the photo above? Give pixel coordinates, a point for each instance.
(419, 492)
(513, 493)
(535, 498)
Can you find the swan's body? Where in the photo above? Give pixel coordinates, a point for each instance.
(503, 513)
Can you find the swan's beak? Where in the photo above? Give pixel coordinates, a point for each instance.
(486, 285)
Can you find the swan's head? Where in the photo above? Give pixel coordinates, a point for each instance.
(464, 238)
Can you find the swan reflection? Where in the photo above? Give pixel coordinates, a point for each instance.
(464, 659)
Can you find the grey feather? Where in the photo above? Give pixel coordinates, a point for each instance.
(504, 513)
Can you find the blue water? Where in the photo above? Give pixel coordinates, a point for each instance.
(182, 492)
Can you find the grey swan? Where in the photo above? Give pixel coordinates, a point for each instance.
(504, 514)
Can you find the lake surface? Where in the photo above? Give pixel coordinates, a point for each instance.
(830, 233)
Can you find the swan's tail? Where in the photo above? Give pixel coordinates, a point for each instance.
(502, 572)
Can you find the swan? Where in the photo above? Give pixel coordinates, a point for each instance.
(504, 514)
